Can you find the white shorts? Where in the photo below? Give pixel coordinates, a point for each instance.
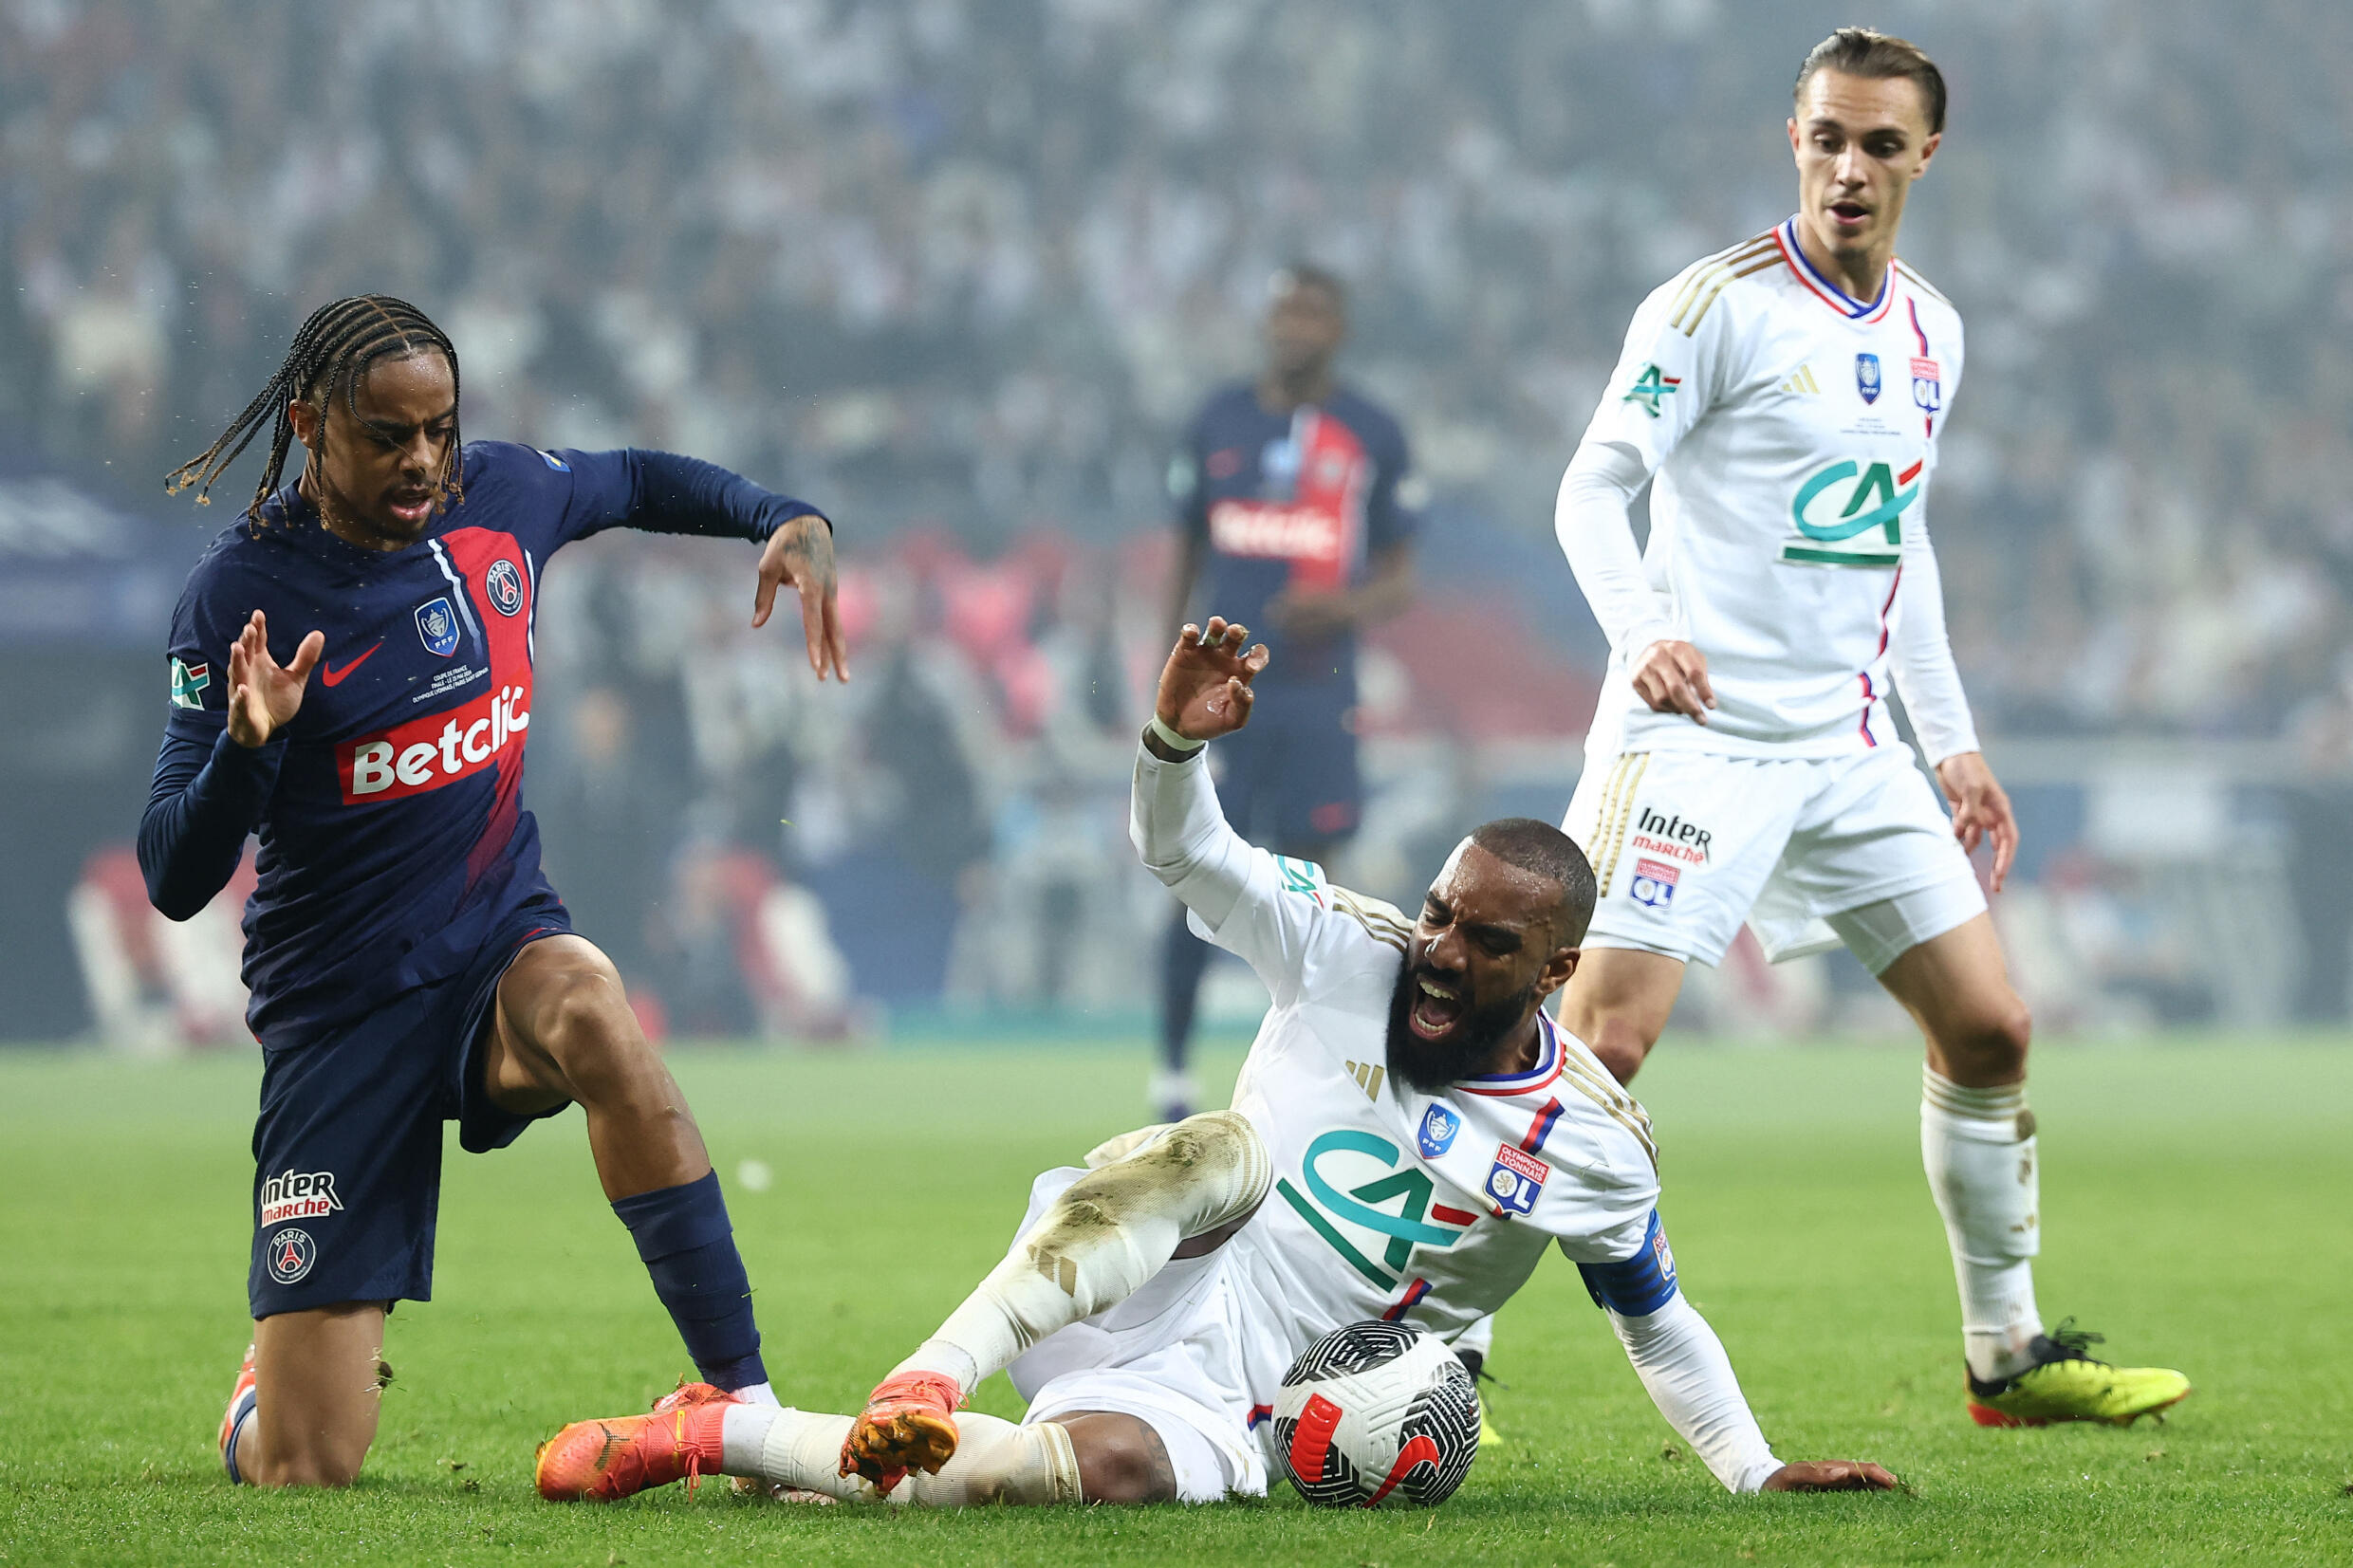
(1177, 1356)
(1810, 851)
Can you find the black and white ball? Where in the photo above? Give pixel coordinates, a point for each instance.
(1374, 1414)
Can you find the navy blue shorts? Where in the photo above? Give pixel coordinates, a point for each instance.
(347, 1147)
(1288, 778)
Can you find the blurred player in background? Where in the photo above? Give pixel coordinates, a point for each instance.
(1786, 395)
(1293, 515)
(409, 962)
(1153, 1300)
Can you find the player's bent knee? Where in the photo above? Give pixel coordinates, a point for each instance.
(1991, 1048)
(1209, 1171)
(1121, 1460)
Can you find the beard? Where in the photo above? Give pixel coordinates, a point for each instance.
(1467, 1049)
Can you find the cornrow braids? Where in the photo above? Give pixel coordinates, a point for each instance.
(330, 354)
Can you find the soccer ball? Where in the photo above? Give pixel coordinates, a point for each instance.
(1377, 1411)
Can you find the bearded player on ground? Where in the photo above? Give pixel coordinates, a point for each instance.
(408, 964)
(1783, 398)
(1410, 1135)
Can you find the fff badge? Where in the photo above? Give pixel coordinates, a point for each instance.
(437, 624)
(1436, 1133)
(1515, 1181)
(1867, 376)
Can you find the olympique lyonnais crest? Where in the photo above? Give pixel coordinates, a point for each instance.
(1653, 883)
(504, 586)
(1867, 376)
(1927, 386)
(1516, 1180)
(436, 622)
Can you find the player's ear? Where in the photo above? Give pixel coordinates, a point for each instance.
(1928, 151)
(305, 418)
(1557, 969)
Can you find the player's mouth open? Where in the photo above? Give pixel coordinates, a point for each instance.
(1437, 1009)
(411, 506)
(1850, 213)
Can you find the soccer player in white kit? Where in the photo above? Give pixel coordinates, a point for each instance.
(1782, 400)
(1410, 1135)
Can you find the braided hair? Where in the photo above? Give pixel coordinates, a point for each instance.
(330, 354)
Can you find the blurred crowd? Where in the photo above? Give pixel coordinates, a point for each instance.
(959, 269)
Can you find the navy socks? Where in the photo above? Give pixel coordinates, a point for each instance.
(683, 1235)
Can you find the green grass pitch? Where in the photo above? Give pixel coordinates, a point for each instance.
(2197, 1209)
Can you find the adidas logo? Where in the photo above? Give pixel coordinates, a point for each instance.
(1367, 1078)
(1803, 383)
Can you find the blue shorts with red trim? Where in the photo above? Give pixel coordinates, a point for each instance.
(1290, 779)
(347, 1147)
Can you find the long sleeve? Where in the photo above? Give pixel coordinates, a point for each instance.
(665, 492)
(1591, 519)
(1920, 655)
(1260, 906)
(1690, 1377)
(204, 802)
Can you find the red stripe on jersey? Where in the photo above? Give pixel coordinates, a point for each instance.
(1404, 1304)
(1444, 1215)
(1540, 1128)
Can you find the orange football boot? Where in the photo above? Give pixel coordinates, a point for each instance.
(604, 1460)
(909, 1423)
(240, 1403)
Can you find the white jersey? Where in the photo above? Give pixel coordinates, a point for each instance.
(1790, 432)
(1429, 1209)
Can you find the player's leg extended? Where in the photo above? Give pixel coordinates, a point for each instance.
(562, 1031)
(1183, 1192)
(1618, 1002)
(1977, 1142)
(1095, 1457)
(307, 1414)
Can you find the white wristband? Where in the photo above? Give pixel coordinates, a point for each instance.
(1171, 739)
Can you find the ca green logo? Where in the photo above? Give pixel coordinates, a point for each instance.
(1406, 1227)
(1652, 388)
(187, 683)
(1857, 524)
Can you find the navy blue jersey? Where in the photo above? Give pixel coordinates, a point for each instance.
(393, 841)
(1302, 500)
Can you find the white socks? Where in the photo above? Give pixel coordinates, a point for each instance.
(1114, 1228)
(1978, 1148)
(995, 1461)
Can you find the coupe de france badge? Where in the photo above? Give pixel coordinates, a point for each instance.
(437, 624)
(1515, 1181)
(1436, 1134)
(1867, 376)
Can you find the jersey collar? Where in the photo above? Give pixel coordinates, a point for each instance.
(1506, 1084)
(1828, 292)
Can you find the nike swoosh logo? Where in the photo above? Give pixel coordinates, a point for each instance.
(333, 677)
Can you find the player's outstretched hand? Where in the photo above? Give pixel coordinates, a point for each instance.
(1673, 678)
(800, 553)
(263, 693)
(1205, 687)
(1830, 1475)
(1980, 809)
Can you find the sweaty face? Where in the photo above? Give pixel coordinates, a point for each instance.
(1477, 968)
(1304, 327)
(380, 471)
(1860, 141)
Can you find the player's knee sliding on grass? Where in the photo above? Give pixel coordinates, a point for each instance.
(1106, 1234)
(410, 963)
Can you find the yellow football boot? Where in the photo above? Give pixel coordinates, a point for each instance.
(2067, 1384)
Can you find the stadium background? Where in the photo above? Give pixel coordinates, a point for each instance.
(957, 269)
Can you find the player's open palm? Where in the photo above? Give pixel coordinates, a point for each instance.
(1205, 687)
(263, 693)
(1830, 1475)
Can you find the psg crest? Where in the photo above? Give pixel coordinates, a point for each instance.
(1867, 376)
(504, 585)
(291, 1253)
(437, 624)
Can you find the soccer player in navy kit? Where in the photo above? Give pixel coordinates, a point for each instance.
(1288, 506)
(351, 678)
